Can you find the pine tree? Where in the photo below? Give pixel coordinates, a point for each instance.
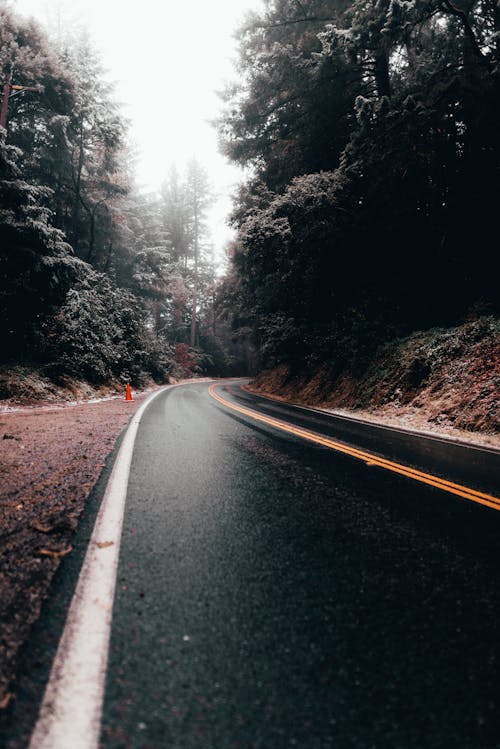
(175, 216)
(62, 175)
(37, 267)
(198, 197)
(336, 241)
(96, 135)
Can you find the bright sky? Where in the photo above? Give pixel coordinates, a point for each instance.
(168, 60)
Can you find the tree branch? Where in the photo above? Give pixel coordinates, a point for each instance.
(293, 21)
(301, 7)
(467, 28)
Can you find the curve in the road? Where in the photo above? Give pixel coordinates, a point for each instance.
(367, 457)
(70, 714)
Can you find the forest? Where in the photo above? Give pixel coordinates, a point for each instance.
(99, 281)
(368, 131)
(372, 131)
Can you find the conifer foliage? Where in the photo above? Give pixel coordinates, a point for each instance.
(61, 183)
(371, 131)
(97, 281)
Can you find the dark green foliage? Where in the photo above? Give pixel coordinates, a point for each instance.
(62, 176)
(32, 285)
(36, 266)
(293, 112)
(99, 334)
(384, 223)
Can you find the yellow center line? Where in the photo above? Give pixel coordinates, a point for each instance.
(369, 458)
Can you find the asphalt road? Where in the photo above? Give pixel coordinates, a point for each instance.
(275, 593)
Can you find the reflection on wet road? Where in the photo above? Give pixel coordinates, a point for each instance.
(274, 593)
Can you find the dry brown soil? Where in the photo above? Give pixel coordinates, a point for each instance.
(50, 458)
(444, 381)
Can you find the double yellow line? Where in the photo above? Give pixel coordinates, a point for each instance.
(369, 458)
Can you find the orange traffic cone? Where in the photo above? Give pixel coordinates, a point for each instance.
(128, 394)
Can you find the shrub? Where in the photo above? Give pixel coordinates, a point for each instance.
(99, 334)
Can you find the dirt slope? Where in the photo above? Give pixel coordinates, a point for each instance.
(444, 380)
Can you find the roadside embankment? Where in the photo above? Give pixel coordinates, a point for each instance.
(445, 381)
(50, 458)
(22, 386)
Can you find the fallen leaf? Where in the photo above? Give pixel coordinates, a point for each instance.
(55, 554)
(42, 528)
(58, 525)
(5, 702)
(104, 544)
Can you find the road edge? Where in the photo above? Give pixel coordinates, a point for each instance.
(438, 436)
(368, 457)
(70, 713)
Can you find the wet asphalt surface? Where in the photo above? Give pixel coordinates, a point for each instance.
(276, 594)
(478, 468)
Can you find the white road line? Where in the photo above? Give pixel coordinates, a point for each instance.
(435, 436)
(70, 715)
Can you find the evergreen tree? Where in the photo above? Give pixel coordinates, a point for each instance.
(96, 135)
(175, 216)
(290, 113)
(62, 176)
(37, 267)
(199, 197)
(337, 242)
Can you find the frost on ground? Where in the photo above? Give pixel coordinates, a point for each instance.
(441, 381)
(50, 458)
(415, 421)
(24, 387)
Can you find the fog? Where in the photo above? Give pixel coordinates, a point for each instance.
(168, 62)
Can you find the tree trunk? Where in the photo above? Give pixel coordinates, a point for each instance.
(496, 11)
(109, 255)
(91, 237)
(78, 187)
(196, 279)
(193, 310)
(382, 79)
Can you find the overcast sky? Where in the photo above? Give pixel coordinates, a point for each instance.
(168, 60)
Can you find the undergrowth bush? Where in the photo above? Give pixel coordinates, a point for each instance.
(100, 333)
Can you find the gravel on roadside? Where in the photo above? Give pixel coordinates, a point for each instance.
(50, 458)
